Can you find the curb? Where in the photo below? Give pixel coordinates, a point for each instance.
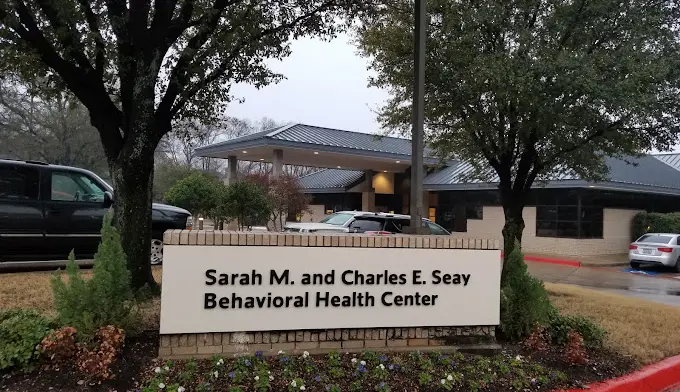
(657, 377)
(538, 259)
(595, 265)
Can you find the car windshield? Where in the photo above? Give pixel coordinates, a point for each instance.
(656, 239)
(336, 219)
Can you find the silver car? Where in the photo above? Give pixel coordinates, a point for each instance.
(363, 222)
(661, 249)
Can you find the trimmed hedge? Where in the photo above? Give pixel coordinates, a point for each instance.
(654, 222)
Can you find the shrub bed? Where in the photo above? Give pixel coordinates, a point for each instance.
(654, 222)
(20, 333)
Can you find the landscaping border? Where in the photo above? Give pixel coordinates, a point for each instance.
(656, 377)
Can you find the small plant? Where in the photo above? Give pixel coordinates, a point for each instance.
(382, 387)
(297, 384)
(60, 345)
(380, 372)
(106, 299)
(97, 362)
(20, 332)
(559, 327)
(333, 388)
(575, 351)
(450, 380)
(524, 300)
(424, 378)
(536, 341)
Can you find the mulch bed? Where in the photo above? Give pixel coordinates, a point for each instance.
(138, 354)
(505, 371)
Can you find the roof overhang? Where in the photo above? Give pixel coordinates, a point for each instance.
(309, 154)
(562, 184)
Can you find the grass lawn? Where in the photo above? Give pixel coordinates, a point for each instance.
(642, 329)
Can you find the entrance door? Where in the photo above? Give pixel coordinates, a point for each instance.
(74, 213)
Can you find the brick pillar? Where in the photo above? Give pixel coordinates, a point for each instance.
(277, 163)
(368, 193)
(232, 167)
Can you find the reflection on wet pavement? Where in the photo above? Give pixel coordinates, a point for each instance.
(657, 289)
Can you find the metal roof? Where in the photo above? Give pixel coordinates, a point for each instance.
(630, 173)
(644, 174)
(326, 180)
(672, 159)
(335, 140)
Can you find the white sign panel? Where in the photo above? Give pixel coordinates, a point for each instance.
(266, 288)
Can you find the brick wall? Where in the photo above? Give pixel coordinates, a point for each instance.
(616, 234)
(319, 341)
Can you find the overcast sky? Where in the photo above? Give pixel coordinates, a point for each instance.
(326, 85)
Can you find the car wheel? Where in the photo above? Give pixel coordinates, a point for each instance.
(156, 251)
(677, 265)
(634, 265)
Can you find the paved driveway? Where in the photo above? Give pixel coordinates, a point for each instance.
(662, 288)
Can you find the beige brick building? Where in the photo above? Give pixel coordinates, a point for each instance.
(358, 171)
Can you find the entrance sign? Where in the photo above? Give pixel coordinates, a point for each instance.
(269, 288)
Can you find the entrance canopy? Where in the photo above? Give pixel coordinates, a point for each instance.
(308, 145)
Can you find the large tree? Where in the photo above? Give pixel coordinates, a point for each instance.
(526, 90)
(140, 65)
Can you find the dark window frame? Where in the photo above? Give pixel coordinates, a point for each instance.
(567, 225)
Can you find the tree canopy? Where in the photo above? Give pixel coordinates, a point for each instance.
(526, 90)
(139, 66)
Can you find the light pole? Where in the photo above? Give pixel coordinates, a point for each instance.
(417, 129)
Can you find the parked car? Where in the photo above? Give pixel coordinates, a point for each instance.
(47, 210)
(661, 249)
(363, 222)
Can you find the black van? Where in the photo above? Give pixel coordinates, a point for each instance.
(47, 210)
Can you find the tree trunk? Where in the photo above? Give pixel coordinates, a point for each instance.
(133, 179)
(512, 230)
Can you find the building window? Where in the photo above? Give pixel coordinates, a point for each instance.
(569, 221)
(474, 211)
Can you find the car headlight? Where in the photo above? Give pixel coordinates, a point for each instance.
(190, 222)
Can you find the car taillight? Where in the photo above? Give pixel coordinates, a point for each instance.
(632, 247)
(666, 250)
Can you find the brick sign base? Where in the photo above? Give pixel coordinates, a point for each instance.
(347, 340)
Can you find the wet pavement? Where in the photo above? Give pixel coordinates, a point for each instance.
(658, 286)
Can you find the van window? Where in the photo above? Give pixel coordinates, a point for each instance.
(19, 183)
(75, 187)
(362, 225)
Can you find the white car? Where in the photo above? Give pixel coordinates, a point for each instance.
(363, 222)
(660, 249)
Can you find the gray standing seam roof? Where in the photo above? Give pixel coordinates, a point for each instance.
(330, 179)
(672, 159)
(320, 136)
(646, 171)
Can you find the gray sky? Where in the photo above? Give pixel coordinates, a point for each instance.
(326, 85)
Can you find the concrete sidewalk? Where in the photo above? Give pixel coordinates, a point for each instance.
(612, 260)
